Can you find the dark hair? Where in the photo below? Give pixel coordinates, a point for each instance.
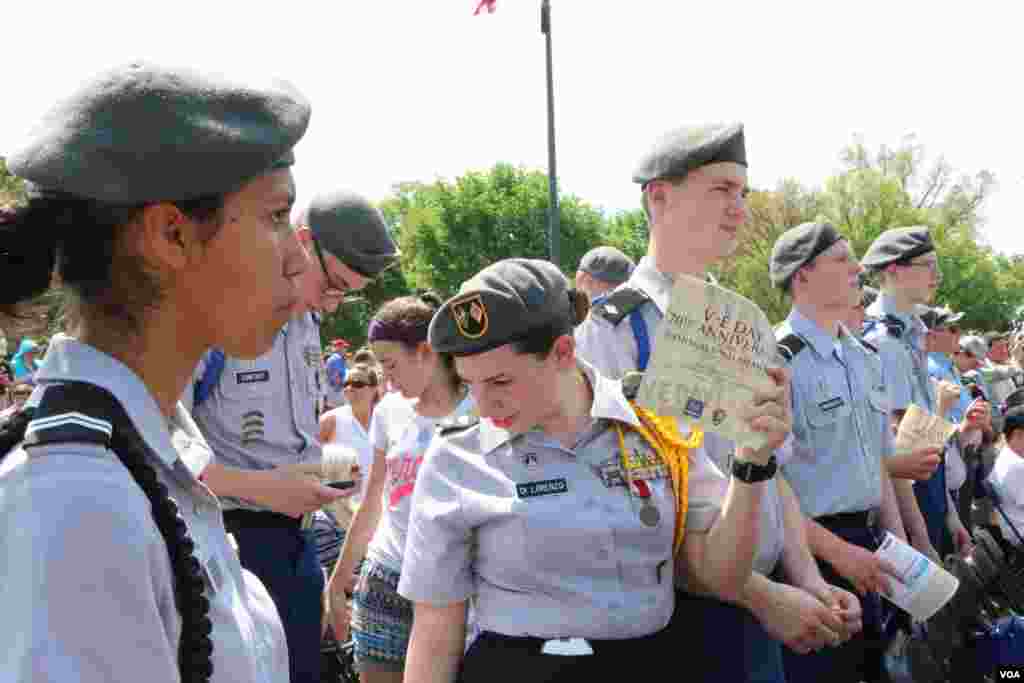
(79, 238)
(1014, 419)
(413, 315)
(78, 241)
(540, 340)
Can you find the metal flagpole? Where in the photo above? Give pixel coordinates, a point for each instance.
(553, 228)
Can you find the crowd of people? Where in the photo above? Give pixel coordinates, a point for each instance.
(493, 502)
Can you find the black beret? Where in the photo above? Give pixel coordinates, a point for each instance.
(935, 317)
(503, 303)
(607, 264)
(682, 150)
(144, 133)
(351, 228)
(797, 247)
(898, 244)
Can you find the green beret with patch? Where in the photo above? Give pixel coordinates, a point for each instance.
(142, 133)
(504, 303)
(350, 227)
(682, 150)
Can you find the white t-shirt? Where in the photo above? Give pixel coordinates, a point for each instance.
(1007, 477)
(350, 443)
(404, 435)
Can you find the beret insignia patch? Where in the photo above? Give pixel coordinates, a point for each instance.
(470, 316)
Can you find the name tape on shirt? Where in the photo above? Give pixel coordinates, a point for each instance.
(831, 404)
(252, 376)
(548, 487)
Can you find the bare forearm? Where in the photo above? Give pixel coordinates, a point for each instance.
(906, 501)
(721, 560)
(889, 512)
(436, 644)
(232, 482)
(357, 539)
(797, 560)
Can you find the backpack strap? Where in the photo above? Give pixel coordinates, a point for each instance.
(789, 346)
(626, 302)
(868, 345)
(79, 412)
(214, 368)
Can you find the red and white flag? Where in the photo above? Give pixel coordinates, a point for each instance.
(489, 5)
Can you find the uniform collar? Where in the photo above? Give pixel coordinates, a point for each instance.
(657, 285)
(69, 360)
(885, 305)
(609, 404)
(818, 339)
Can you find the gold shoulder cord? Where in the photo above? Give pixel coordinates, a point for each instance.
(662, 434)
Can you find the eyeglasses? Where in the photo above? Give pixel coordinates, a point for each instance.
(331, 291)
(356, 384)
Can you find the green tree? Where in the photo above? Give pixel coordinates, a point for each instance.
(877, 191)
(450, 230)
(12, 188)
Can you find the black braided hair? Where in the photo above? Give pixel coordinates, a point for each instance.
(195, 648)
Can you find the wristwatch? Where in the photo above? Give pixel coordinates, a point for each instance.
(751, 473)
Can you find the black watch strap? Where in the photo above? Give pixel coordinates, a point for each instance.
(751, 472)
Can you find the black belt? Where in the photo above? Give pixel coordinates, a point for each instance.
(258, 519)
(865, 519)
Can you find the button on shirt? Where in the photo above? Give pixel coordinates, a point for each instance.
(613, 351)
(840, 421)
(263, 412)
(88, 590)
(548, 539)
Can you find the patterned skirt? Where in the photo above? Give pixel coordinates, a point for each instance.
(381, 619)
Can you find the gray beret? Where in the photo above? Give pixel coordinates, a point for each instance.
(975, 346)
(935, 317)
(503, 303)
(682, 150)
(898, 244)
(607, 264)
(144, 133)
(797, 247)
(351, 228)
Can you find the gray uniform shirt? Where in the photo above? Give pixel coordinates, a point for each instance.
(264, 412)
(613, 351)
(88, 589)
(549, 539)
(903, 356)
(840, 421)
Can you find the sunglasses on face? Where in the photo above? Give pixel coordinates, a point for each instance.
(356, 384)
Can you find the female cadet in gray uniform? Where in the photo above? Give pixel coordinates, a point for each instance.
(553, 513)
(116, 564)
(261, 417)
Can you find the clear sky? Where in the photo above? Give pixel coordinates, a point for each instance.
(415, 89)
